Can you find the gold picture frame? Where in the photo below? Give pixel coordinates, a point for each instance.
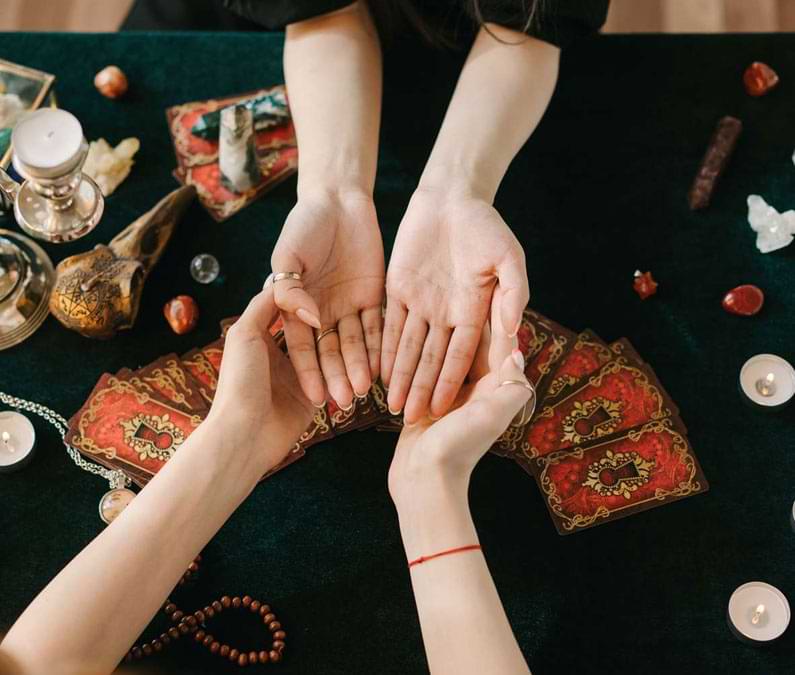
(30, 87)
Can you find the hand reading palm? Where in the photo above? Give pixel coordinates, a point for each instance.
(335, 244)
(448, 255)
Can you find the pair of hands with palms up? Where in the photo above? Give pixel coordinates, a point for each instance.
(451, 252)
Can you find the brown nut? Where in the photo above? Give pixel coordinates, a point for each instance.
(111, 82)
(182, 314)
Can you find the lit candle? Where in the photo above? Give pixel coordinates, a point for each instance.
(767, 381)
(758, 612)
(17, 441)
(46, 139)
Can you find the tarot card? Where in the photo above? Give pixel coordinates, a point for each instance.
(214, 353)
(173, 384)
(123, 424)
(618, 397)
(199, 366)
(586, 356)
(609, 479)
(558, 342)
(197, 155)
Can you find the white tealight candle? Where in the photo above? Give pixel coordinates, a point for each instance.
(47, 138)
(17, 441)
(758, 612)
(767, 381)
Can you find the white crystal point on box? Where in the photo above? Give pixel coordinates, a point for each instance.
(109, 166)
(11, 109)
(774, 230)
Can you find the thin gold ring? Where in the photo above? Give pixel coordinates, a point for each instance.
(323, 334)
(523, 383)
(526, 413)
(281, 276)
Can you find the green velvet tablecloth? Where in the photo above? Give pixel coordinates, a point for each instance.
(598, 192)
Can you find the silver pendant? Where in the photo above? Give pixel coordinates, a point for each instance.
(113, 502)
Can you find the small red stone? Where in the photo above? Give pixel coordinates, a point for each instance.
(744, 300)
(759, 78)
(182, 314)
(644, 284)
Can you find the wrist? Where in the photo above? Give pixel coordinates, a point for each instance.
(460, 177)
(434, 515)
(344, 174)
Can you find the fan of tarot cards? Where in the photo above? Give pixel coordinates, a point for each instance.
(606, 441)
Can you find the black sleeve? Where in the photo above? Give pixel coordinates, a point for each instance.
(276, 14)
(559, 22)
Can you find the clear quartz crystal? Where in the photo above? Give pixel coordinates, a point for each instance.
(774, 230)
(204, 268)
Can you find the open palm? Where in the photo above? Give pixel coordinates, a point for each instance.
(335, 244)
(448, 256)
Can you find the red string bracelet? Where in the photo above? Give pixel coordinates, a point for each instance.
(460, 549)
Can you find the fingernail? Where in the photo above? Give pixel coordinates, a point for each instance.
(319, 406)
(515, 331)
(360, 397)
(348, 409)
(393, 412)
(267, 281)
(518, 359)
(308, 317)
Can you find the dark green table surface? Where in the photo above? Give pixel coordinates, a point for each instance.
(599, 191)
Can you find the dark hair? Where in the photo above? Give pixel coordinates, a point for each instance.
(393, 15)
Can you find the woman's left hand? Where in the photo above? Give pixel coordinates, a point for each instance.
(259, 406)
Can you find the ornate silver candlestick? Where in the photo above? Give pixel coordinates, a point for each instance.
(55, 202)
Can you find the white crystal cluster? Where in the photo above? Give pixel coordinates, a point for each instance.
(11, 109)
(109, 166)
(774, 230)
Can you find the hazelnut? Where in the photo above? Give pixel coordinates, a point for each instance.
(111, 82)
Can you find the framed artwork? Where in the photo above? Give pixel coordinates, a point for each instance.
(22, 89)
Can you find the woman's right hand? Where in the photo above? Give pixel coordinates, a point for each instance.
(333, 240)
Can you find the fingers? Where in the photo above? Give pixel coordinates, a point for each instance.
(457, 362)
(354, 353)
(501, 343)
(371, 324)
(480, 366)
(512, 278)
(394, 321)
(301, 346)
(430, 365)
(408, 356)
(512, 393)
(333, 368)
(290, 294)
(259, 314)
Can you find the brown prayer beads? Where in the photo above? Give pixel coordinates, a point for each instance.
(194, 624)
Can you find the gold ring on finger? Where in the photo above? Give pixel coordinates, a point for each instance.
(323, 334)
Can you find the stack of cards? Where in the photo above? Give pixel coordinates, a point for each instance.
(605, 441)
(197, 156)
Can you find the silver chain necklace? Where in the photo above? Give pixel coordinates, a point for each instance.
(113, 501)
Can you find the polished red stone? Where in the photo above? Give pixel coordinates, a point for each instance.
(182, 314)
(644, 284)
(759, 78)
(744, 300)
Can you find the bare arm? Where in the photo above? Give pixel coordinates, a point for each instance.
(75, 624)
(464, 626)
(452, 245)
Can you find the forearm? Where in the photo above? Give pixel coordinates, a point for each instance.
(90, 614)
(332, 67)
(464, 627)
(501, 95)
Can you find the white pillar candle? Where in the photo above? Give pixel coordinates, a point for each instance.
(47, 138)
(758, 612)
(17, 440)
(767, 381)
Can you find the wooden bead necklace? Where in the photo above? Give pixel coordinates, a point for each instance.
(194, 624)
